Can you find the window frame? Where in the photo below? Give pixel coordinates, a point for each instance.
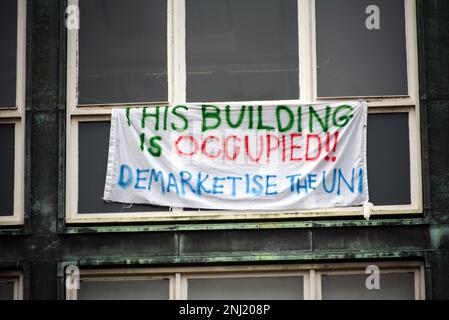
(242, 274)
(16, 115)
(176, 67)
(17, 278)
(418, 278)
(311, 273)
(72, 294)
(412, 98)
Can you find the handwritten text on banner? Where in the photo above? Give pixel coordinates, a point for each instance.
(243, 157)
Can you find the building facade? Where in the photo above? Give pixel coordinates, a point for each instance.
(67, 63)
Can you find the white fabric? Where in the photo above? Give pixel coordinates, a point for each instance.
(196, 156)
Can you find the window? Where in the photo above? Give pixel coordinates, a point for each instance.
(124, 289)
(287, 51)
(271, 287)
(12, 103)
(11, 286)
(93, 140)
(7, 170)
(397, 281)
(123, 52)
(395, 286)
(8, 54)
(346, 48)
(6, 290)
(242, 50)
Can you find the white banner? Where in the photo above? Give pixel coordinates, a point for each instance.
(239, 157)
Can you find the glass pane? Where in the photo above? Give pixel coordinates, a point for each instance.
(399, 286)
(388, 159)
(260, 288)
(239, 50)
(354, 60)
(7, 169)
(6, 290)
(124, 290)
(8, 34)
(123, 51)
(93, 147)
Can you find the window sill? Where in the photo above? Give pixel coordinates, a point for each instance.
(266, 225)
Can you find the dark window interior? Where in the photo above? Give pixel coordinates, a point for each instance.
(8, 52)
(123, 51)
(6, 290)
(7, 169)
(355, 61)
(389, 159)
(394, 286)
(242, 50)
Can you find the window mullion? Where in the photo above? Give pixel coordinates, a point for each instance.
(176, 51)
(305, 50)
(178, 285)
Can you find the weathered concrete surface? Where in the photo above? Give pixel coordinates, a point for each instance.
(435, 93)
